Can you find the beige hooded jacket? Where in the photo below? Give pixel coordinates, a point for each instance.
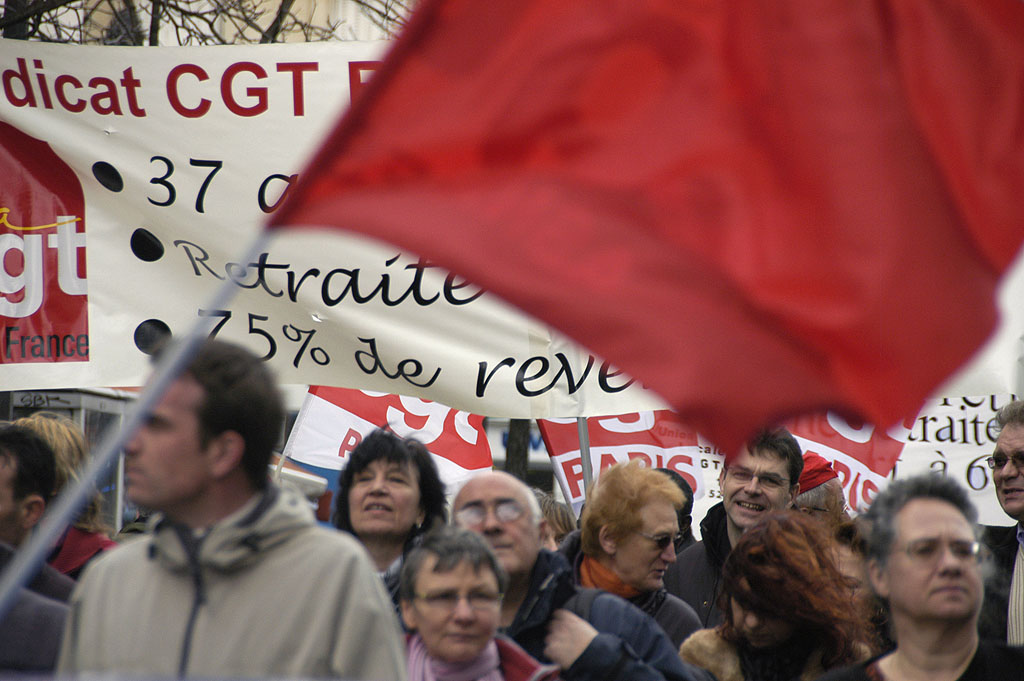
(265, 592)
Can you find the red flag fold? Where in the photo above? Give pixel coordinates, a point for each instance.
(758, 208)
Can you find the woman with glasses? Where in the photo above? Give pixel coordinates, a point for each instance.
(925, 561)
(451, 588)
(627, 541)
(789, 614)
(389, 495)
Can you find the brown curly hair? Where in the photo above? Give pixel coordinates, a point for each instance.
(783, 567)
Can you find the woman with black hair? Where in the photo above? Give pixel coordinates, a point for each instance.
(389, 494)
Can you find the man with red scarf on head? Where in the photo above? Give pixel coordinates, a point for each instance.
(821, 492)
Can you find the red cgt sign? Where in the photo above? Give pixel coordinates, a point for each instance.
(44, 310)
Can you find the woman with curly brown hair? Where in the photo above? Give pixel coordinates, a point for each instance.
(789, 614)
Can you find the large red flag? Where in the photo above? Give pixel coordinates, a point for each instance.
(756, 207)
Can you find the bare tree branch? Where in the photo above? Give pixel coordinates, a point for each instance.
(388, 15)
(154, 23)
(270, 35)
(30, 11)
(183, 22)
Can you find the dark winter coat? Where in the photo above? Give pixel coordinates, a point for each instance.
(30, 633)
(630, 646)
(1002, 542)
(675, 617)
(699, 571)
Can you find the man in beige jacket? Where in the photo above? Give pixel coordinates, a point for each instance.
(233, 578)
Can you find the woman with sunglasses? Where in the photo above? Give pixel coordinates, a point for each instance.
(627, 540)
(789, 614)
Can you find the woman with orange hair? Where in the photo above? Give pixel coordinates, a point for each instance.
(788, 612)
(627, 540)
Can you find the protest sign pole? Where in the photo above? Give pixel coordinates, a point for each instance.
(29, 557)
(280, 465)
(584, 435)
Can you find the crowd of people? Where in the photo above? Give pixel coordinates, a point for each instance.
(233, 577)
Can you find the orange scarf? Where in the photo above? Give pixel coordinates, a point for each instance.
(597, 576)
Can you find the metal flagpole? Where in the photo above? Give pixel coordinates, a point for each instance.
(584, 436)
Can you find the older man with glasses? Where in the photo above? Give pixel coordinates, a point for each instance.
(821, 492)
(590, 634)
(1002, 616)
(763, 477)
(627, 542)
(925, 562)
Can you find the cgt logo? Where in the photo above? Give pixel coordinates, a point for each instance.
(43, 288)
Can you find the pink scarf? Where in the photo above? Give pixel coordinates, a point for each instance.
(422, 667)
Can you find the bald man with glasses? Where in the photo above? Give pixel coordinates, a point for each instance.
(1002, 615)
(591, 636)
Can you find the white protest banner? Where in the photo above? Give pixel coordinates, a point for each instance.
(952, 436)
(134, 177)
(333, 421)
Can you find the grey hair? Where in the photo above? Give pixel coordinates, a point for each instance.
(534, 506)
(451, 546)
(812, 497)
(881, 515)
(1011, 414)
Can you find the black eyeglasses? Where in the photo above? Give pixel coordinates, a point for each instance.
(998, 460)
(663, 540)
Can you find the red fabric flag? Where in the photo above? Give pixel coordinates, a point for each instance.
(758, 208)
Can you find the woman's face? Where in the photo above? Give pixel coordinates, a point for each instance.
(384, 500)
(760, 631)
(851, 565)
(456, 613)
(640, 559)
